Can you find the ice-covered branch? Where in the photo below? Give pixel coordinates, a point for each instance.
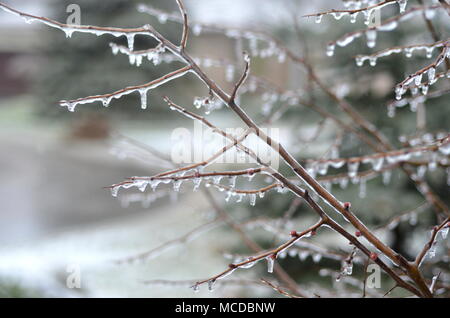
(243, 77)
(367, 11)
(416, 79)
(430, 247)
(385, 26)
(408, 50)
(141, 89)
(269, 256)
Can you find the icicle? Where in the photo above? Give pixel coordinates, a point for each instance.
(303, 255)
(432, 250)
(399, 91)
(197, 182)
(270, 263)
(68, 32)
(402, 5)
(431, 75)
(142, 185)
(387, 177)
(106, 101)
(115, 191)
(216, 179)
(130, 38)
(240, 197)
(323, 168)
(211, 284)
(195, 288)
(229, 195)
(177, 185)
(143, 93)
(337, 164)
(343, 183)
(330, 49)
(154, 184)
(371, 38)
(318, 18)
(362, 188)
(252, 199)
(317, 257)
(359, 61)
(70, 106)
(232, 180)
(377, 163)
(352, 168)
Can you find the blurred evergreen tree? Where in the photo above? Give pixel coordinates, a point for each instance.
(84, 65)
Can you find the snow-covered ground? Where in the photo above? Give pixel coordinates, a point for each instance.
(55, 216)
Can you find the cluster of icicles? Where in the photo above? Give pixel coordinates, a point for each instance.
(208, 103)
(408, 51)
(441, 235)
(368, 13)
(377, 163)
(414, 101)
(252, 261)
(371, 32)
(136, 57)
(414, 82)
(141, 183)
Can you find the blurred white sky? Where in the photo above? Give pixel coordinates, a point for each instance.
(229, 12)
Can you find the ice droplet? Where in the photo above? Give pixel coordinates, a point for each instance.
(211, 284)
(195, 288)
(330, 49)
(362, 188)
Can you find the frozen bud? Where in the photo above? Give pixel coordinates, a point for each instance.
(294, 233)
(232, 266)
(373, 256)
(273, 256)
(313, 232)
(347, 205)
(357, 233)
